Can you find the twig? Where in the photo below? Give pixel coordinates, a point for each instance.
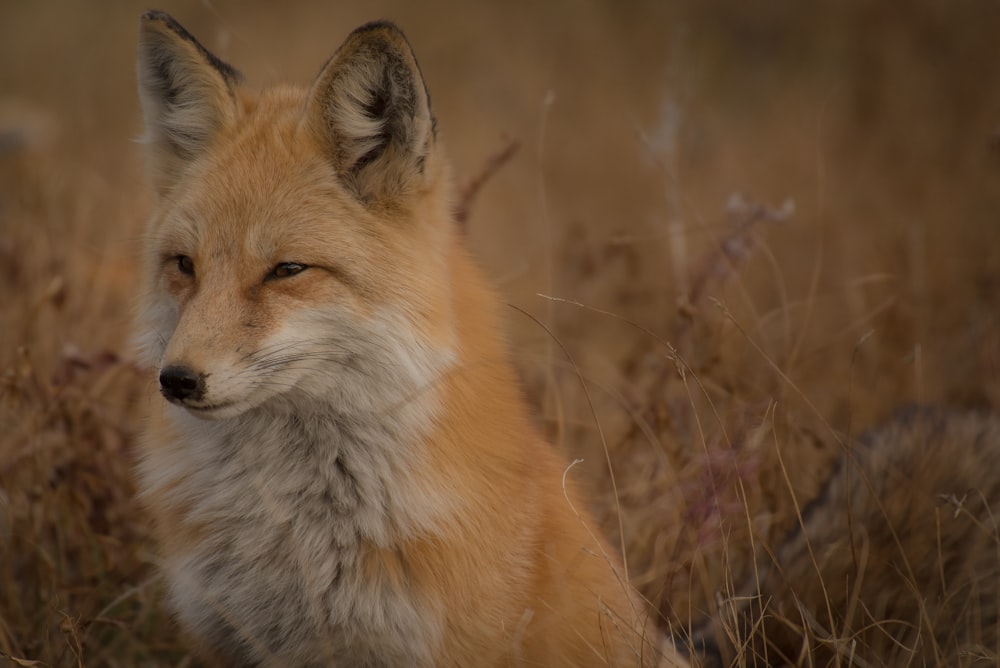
(731, 250)
(493, 163)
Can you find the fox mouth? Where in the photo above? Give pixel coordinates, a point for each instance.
(199, 408)
(222, 411)
(208, 408)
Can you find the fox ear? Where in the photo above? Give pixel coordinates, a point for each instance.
(187, 94)
(371, 111)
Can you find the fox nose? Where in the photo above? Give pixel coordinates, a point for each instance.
(181, 383)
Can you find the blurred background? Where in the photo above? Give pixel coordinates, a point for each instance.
(716, 218)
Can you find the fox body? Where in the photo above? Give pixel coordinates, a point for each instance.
(346, 471)
(895, 563)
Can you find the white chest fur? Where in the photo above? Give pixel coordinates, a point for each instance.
(286, 506)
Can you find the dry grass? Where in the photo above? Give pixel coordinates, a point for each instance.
(730, 352)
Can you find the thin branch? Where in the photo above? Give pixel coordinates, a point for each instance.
(467, 193)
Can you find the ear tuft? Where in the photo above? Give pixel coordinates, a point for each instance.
(187, 94)
(370, 109)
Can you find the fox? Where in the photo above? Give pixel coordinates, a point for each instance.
(895, 562)
(344, 470)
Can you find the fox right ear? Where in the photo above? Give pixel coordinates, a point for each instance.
(187, 94)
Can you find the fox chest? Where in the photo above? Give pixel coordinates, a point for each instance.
(277, 596)
(272, 569)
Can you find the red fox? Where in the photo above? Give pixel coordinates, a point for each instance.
(345, 471)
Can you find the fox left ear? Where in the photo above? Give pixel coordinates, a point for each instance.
(187, 95)
(370, 109)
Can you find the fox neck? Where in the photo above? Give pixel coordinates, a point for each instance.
(357, 470)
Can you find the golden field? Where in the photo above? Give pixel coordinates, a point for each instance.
(733, 237)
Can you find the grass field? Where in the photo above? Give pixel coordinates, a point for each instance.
(733, 237)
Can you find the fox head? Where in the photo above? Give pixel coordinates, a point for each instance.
(300, 238)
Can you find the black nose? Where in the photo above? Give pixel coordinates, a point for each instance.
(181, 383)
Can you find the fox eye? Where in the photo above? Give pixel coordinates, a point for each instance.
(286, 269)
(185, 265)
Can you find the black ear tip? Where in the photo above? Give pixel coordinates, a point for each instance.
(384, 26)
(156, 21)
(156, 15)
(386, 32)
